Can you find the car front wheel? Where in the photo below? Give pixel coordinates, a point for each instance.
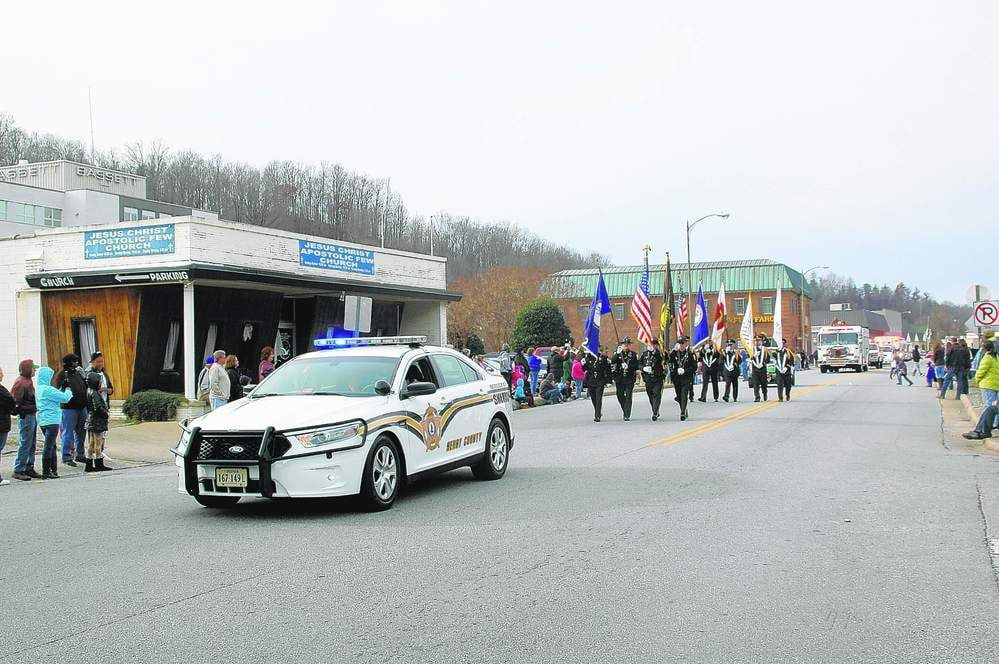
(380, 486)
(497, 453)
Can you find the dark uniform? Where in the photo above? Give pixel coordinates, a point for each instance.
(785, 375)
(731, 360)
(710, 368)
(598, 375)
(758, 371)
(625, 366)
(653, 365)
(683, 366)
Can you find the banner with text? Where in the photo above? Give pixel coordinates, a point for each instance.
(336, 257)
(123, 242)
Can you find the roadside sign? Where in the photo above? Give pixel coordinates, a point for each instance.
(987, 313)
(357, 313)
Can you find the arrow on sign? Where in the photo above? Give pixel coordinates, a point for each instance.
(131, 277)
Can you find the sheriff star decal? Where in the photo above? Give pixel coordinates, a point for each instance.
(430, 427)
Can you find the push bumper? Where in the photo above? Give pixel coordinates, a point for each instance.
(312, 475)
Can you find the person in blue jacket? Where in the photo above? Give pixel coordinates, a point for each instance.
(50, 400)
(534, 362)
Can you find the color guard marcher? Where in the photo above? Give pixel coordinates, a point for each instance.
(710, 367)
(625, 363)
(653, 364)
(731, 361)
(758, 369)
(785, 374)
(598, 376)
(683, 366)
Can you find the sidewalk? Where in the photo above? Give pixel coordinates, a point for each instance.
(128, 446)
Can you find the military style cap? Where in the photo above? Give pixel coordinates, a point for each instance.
(626, 340)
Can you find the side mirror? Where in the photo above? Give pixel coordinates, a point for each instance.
(382, 387)
(418, 389)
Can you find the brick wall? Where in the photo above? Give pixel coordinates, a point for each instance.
(577, 310)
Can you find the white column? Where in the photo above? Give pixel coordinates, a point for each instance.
(190, 368)
(442, 324)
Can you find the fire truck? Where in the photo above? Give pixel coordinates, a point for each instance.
(843, 347)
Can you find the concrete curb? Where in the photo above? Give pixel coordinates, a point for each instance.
(973, 415)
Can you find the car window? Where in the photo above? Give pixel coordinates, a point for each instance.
(450, 370)
(420, 371)
(470, 373)
(342, 375)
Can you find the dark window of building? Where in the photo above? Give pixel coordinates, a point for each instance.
(584, 311)
(130, 214)
(172, 347)
(618, 308)
(84, 338)
(740, 305)
(766, 305)
(148, 214)
(211, 339)
(794, 306)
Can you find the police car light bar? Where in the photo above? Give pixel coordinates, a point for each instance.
(354, 342)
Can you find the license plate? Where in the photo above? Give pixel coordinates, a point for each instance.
(232, 478)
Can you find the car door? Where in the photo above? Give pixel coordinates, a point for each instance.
(466, 409)
(419, 422)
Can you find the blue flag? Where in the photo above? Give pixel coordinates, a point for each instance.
(599, 307)
(700, 320)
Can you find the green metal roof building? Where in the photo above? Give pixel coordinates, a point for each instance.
(761, 274)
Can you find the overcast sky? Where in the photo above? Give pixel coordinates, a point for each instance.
(859, 135)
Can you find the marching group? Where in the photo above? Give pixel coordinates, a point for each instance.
(569, 370)
(75, 400)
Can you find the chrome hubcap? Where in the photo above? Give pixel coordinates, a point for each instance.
(383, 472)
(497, 448)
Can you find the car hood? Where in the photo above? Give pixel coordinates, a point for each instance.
(288, 412)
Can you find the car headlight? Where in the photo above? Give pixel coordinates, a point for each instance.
(339, 437)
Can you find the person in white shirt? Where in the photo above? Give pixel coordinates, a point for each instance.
(218, 382)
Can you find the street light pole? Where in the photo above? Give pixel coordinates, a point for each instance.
(690, 279)
(801, 301)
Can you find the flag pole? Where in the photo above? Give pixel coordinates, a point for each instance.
(613, 319)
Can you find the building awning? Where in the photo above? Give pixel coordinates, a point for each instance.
(228, 275)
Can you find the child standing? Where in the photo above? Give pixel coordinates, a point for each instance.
(930, 373)
(97, 424)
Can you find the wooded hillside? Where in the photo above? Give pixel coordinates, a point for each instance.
(325, 199)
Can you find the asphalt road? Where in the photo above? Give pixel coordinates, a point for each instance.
(838, 527)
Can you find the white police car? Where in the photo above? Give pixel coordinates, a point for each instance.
(363, 417)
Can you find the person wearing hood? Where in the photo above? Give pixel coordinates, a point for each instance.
(74, 415)
(506, 365)
(50, 416)
(7, 408)
(23, 392)
(97, 424)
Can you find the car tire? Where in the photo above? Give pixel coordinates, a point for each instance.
(497, 453)
(217, 502)
(382, 475)
(822, 369)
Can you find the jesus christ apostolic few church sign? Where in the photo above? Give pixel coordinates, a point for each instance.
(335, 257)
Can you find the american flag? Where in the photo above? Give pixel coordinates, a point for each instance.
(682, 313)
(641, 308)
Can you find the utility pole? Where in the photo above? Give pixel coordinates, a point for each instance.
(801, 305)
(690, 280)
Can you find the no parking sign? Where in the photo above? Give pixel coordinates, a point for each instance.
(986, 313)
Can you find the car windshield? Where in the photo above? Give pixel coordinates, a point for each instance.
(345, 375)
(838, 338)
